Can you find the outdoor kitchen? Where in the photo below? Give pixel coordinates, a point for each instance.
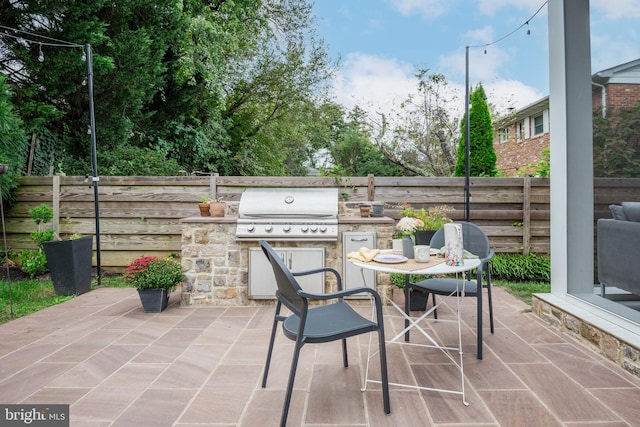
(309, 227)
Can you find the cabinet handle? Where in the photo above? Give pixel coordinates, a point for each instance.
(359, 239)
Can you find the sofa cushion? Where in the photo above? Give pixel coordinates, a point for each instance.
(632, 210)
(618, 212)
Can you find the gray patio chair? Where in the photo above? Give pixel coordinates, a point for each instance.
(320, 324)
(476, 242)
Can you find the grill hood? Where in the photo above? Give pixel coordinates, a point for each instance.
(283, 203)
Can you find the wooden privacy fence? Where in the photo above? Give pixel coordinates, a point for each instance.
(140, 215)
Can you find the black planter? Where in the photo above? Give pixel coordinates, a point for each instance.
(423, 237)
(154, 300)
(69, 264)
(418, 300)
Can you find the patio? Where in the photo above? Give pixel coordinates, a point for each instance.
(118, 366)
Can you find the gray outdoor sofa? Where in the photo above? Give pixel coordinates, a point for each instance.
(619, 248)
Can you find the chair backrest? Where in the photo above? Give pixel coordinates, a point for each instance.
(288, 286)
(474, 239)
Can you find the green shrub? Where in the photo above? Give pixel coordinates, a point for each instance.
(521, 268)
(33, 262)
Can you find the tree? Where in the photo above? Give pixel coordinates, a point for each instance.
(482, 157)
(13, 141)
(212, 86)
(420, 136)
(616, 142)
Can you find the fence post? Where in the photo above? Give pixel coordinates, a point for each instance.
(55, 200)
(213, 186)
(526, 216)
(371, 189)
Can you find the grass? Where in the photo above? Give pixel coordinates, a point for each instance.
(29, 296)
(523, 291)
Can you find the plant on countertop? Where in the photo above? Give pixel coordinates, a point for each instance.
(150, 272)
(406, 227)
(432, 219)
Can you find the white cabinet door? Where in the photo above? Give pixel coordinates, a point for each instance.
(352, 275)
(262, 282)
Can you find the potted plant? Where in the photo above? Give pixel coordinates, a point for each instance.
(432, 220)
(404, 237)
(205, 201)
(68, 260)
(377, 209)
(211, 207)
(154, 278)
(217, 208)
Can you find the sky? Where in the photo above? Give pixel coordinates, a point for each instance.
(382, 43)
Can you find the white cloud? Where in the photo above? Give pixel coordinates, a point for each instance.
(609, 51)
(484, 62)
(491, 7)
(616, 9)
(372, 82)
(510, 93)
(379, 84)
(427, 9)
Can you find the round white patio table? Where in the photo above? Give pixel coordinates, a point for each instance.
(431, 268)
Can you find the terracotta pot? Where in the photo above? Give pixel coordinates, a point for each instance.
(365, 211)
(217, 209)
(204, 209)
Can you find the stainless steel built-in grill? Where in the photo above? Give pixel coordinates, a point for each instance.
(288, 214)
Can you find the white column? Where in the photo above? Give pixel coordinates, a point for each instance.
(571, 147)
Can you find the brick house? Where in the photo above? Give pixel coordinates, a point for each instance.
(521, 136)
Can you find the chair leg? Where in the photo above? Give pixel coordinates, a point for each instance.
(433, 303)
(479, 314)
(345, 358)
(292, 377)
(276, 318)
(383, 370)
(490, 304)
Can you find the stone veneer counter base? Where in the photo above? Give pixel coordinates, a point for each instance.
(216, 266)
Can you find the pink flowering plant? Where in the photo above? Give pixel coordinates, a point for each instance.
(148, 272)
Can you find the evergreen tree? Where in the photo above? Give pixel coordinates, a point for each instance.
(482, 157)
(13, 141)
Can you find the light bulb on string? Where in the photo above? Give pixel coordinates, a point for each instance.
(528, 29)
(40, 54)
(84, 56)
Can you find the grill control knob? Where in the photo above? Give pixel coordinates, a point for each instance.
(286, 228)
(314, 228)
(268, 228)
(250, 228)
(304, 228)
(323, 229)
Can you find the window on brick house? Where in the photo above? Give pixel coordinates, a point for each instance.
(538, 125)
(520, 131)
(504, 135)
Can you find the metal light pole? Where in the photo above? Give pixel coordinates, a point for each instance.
(94, 158)
(467, 153)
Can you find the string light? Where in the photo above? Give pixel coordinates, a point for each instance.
(526, 23)
(40, 54)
